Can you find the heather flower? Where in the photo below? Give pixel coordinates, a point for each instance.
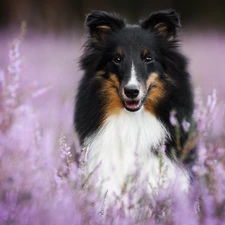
(186, 125)
(2, 79)
(173, 118)
(212, 101)
(40, 92)
(65, 149)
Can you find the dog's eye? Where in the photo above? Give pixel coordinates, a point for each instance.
(117, 60)
(148, 59)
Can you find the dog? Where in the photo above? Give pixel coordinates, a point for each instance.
(134, 77)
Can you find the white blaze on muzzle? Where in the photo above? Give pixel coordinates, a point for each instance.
(133, 78)
(132, 92)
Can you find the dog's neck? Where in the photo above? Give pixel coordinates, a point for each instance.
(128, 140)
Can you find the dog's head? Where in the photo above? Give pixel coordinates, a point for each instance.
(133, 59)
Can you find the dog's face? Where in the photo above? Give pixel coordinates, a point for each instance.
(130, 58)
(132, 61)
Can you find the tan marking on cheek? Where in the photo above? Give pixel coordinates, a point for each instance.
(110, 93)
(156, 94)
(100, 73)
(151, 79)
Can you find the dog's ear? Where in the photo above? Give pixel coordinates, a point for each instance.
(165, 23)
(101, 24)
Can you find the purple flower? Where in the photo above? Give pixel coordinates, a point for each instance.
(186, 125)
(173, 118)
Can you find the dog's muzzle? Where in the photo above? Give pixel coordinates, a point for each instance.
(132, 97)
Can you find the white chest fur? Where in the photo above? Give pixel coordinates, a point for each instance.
(125, 141)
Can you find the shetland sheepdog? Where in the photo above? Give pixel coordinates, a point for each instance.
(134, 77)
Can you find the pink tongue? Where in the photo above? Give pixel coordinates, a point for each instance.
(132, 104)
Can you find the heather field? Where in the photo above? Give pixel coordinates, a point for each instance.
(40, 181)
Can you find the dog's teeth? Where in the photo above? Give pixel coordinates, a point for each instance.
(132, 104)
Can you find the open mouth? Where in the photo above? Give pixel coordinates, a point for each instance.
(132, 105)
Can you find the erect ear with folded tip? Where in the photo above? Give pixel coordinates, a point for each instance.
(165, 23)
(101, 24)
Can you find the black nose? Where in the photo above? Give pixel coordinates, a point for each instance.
(131, 91)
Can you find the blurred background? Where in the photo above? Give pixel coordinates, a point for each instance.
(64, 15)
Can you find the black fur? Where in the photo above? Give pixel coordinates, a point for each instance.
(158, 33)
